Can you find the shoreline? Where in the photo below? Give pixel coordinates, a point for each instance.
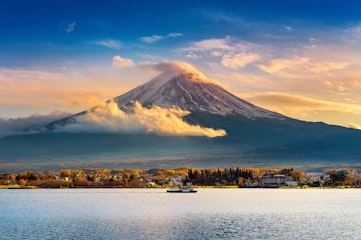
(183, 177)
(197, 187)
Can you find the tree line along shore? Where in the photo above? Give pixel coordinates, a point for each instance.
(181, 177)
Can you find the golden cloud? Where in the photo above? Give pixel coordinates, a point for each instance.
(239, 60)
(306, 108)
(58, 90)
(301, 67)
(285, 101)
(120, 62)
(354, 125)
(277, 66)
(109, 118)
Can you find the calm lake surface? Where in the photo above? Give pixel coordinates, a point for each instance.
(155, 214)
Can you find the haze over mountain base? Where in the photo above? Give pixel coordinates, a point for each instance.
(313, 145)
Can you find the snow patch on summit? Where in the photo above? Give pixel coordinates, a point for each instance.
(171, 69)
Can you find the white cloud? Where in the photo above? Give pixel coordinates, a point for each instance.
(33, 123)
(193, 55)
(109, 118)
(156, 68)
(220, 44)
(229, 51)
(221, 17)
(110, 43)
(156, 38)
(312, 40)
(120, 62)
(70, 27)
(355, 31)
(312, 44)
(151, 39)
(224, 45)
(239, 60)
(288, 28)
(173, 66)
(216, 53)
(174, 35)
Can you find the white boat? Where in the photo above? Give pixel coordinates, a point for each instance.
(182, 190)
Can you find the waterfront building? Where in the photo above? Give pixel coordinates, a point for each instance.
(273, 180)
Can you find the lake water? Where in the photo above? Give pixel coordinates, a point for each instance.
(155, 214)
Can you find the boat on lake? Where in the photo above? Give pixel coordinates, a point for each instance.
(182, 190)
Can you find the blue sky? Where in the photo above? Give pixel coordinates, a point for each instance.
(300, 58)
(52, 32)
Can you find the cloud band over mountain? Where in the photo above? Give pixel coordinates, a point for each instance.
(30, 124)
(109, 118)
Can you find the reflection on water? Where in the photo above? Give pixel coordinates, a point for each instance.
(154, 214)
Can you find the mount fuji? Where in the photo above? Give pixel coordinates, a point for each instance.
(194, 92)
(179, 118)
(188, 89)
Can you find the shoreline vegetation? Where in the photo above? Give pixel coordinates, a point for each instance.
(183, 177)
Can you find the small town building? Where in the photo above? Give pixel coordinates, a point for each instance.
(290, 182)
(273, 181)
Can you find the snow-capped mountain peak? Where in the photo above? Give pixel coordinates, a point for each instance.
(179, 68)
(189, 89)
